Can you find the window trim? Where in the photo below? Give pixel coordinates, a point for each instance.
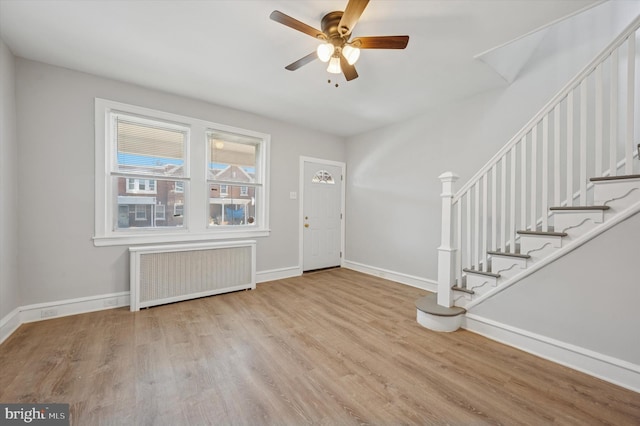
(196, 226)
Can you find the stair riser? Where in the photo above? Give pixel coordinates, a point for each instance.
(438, 323)
(480, 284)
(461, 300)
(507, 266)
(576, 223)
(617, 194)
(531, 244)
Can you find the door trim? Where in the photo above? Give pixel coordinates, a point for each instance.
(343, 169)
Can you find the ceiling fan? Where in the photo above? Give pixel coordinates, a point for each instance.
(337, 49)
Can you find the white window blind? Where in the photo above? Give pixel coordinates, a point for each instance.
(148, 148)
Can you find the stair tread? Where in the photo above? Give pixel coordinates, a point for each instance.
(608, 178)
(473, 271)
(579, 208)
(500, 253)
(550, 234)
(429, 305)
(462, 289)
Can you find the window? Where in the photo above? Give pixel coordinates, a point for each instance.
(235, 171)
(323, 176)
(160, 212)
(140, 212)
(141, 186)
(178, 210)
(154, 185)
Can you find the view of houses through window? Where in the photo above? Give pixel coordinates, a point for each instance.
(232, 178)
(149, 154)
(151, 176)
(149, 203)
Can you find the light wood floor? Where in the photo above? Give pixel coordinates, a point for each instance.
(333, 347)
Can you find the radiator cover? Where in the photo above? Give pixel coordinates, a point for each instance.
(172, 273)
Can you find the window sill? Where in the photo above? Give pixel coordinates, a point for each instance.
(129, 239)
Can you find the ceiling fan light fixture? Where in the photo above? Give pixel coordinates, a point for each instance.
(334, 65)
(350, 53)
(325, 51)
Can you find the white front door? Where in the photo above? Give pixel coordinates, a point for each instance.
(322, 214)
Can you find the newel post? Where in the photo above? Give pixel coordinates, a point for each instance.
(446, 253)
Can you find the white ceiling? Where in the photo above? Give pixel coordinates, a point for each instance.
(230, 53)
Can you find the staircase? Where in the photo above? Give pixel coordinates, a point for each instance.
(569, 175)
(616, 198)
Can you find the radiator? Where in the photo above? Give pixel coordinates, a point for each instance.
(172, 273)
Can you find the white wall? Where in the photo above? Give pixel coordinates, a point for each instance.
(55, 108)
(393, 208)
(9, 288)
(587, 298)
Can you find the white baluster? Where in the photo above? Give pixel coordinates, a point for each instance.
(613, 116)
(446, 252)
(544, 201)
(523, 183)
(512, 202)
(476, 229)
(570, 149)
(534, 178)
(485, 219)
(598, 120)
(631, 76)
(469, 259)
(494, 208)
(583, 143)
(503, 204)
(459, 243)
(556, 156)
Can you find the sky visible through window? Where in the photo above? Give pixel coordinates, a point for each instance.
(151, 161)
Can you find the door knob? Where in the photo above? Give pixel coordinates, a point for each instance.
(306, 225)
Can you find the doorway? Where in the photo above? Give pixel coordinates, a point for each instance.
(322, 213)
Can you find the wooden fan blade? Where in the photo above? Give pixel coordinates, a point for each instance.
(382, 42)
(351, 15)
(302, 61)
(290, 22)
(349, 71)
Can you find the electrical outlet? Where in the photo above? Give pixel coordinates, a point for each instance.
(110, 302)
(48, 313)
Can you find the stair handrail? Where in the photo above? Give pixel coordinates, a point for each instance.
(451, 258)
(549, 106)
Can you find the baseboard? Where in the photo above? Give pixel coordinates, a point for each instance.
(60, 308)
(278, 274)
(9, 323)
(413, 281)
(613, 370)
